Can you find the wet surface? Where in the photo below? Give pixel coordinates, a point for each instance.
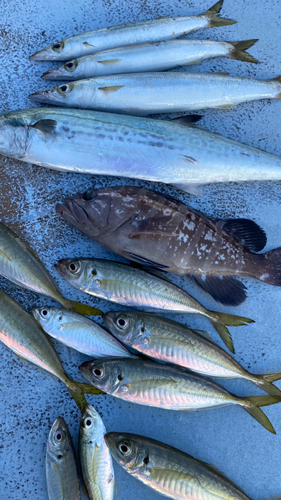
(31, 400)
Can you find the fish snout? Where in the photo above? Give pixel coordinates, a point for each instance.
(72, 211)
(61, 267)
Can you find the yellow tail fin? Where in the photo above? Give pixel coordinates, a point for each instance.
(254, 409)
(220, 320)
(215, 20)
(85, 309)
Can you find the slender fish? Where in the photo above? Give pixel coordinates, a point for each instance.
(166, 340)
(153, 56)
(170, 388)
(131, 287)
(169, 471)
(21, 333)
(21, 265)
(142, 94)
(127, 146)
(79, 332)
(160, 232)
(61, 469)
(163, 28)
(95, 458)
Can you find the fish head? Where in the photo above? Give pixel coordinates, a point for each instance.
(59, 441)
(13, 136)
(66, 71)
(83, 273)
(52, 53)
(91, 426)
(60, 95)
(105, 374)
(125, 326)
(50, 318)
(128, 450)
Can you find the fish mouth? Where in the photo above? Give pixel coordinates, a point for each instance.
(72, 212)
(85, 370)
(54, 74)
(43, 55)
(36, 314)
(111, 439)
(43, 96)
(61, 267)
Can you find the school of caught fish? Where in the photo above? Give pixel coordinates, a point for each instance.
(140, 357)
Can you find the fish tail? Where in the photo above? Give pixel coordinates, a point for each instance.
(252, 406)
(265, 382)
(214, 19)
(269, 266)
(84, 309)
(239, 51)
(78, 391)
(221, 320)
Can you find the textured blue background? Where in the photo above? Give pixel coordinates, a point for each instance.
(228, 438)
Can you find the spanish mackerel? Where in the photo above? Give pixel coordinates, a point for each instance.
(168, 387)
(153, 56)
(131, 287)
(142, 94)
(21, 333)
(169, 471)
(157, 231)
(61, 469)
(165, 340)
(163, 28)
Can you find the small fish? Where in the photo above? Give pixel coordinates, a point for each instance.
(168, 387)
(95, 458)
(164, 234)
(21, 265)
(163, 28)
(79, 332)
(61, 469)
(153, 56)
(131, 287)
(169, 341)
(21, 333)
(169, 471)
(142, 94)
(90, 142)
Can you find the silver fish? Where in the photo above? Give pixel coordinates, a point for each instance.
(21, 333)
(153, 56)
(131, 287)
(165, 340)
(142, 148)
(95, 458)
(170, 388)
(169, 471)
(164, 28)
(61, 469)
(142, 94)
(79, 332)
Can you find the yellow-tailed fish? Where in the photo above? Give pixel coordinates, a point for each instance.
(61, 469)
(168, 387)
(131, 287)
(21, 265)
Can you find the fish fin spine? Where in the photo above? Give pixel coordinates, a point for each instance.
(239, 51)
(214, 19)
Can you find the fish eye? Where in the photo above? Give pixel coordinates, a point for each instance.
(88, 195)
(74, 267)
(70, 66)
(59, 437)
(98, 372)
(44, 313)
(124, 448)
(122, 322)
(88, 423)
(58, 46)
(64, 89)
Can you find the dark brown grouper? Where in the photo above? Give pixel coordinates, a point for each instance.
(159, 232)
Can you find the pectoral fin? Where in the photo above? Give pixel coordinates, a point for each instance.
(144, 385)
(113, 88)
(5, 256)
(165, 225)
(109, 61)
(46, 126)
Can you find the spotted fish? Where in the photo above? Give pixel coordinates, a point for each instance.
(159, 232)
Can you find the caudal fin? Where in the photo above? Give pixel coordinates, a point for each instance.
(252, 406)
(77, 391)
(239, 51)
(221, 320)
(85, 309)
(215, 20)
(265, 382)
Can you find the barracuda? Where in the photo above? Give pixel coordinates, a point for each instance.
(156, 150)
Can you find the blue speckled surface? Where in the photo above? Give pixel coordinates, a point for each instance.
(228, 438)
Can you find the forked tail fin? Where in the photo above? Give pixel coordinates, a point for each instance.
(265, 382)
(221, 320)
(252, 406)
(239, 51)
(77, 391)
(215, 20)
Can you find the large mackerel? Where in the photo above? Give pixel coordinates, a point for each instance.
(142, 148)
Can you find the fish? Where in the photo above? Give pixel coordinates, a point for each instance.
(163, 28)
(163, 234)
(169, 471)
(79, 332)
(21, 265)
(92, 142)
(61, 469)
(127, 286)
(142, 94)
(165, 340)
(168, 387)
(95, 457)
(152, 56)
(22, 334)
